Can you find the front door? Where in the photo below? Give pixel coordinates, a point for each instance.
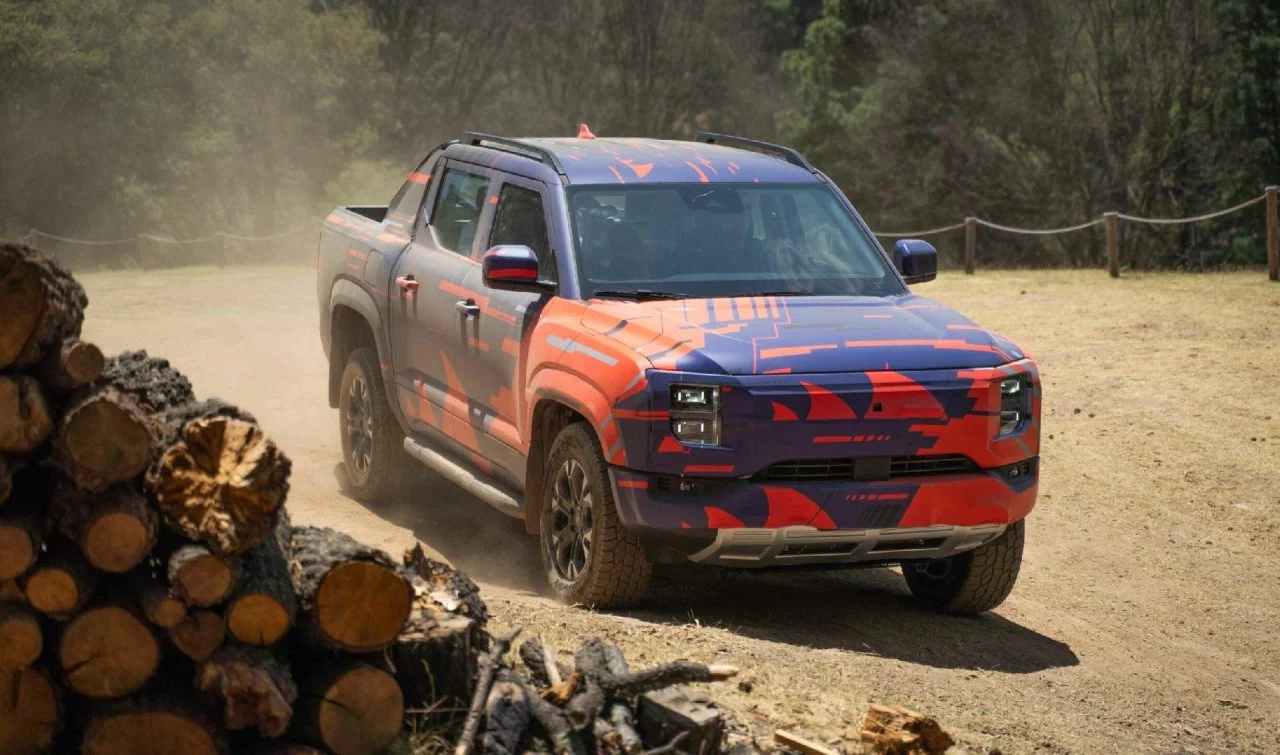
(426, 319)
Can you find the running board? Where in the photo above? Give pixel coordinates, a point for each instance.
(464, 478)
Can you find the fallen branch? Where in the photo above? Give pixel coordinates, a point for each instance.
(484, 681)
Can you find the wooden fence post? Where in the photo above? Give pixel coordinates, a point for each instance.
(1273, 235)
(1113, 242)
(970, 243)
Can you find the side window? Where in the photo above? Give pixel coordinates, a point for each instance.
(404, 206)
(458, 208)
(520, 220)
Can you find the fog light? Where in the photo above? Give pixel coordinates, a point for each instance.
(695, 414)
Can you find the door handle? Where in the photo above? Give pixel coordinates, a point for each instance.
(407, 283)
(467, 308)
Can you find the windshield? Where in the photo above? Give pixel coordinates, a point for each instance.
(717, 240)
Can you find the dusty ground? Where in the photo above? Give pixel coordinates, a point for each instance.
(1146, 616)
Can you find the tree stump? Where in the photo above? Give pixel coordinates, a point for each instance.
(199, 635)
(115, 529)
(74, 364)
(107, 651)
(167, 721)
(110, 429)
(61, 582)
(25, 419)
(256, 689)
(21, 638)
(347, 707)
(201, 577)
(434, 659)
(30, 713)
(356, 597)
(218, 479)
(263, 609)
(40, 306)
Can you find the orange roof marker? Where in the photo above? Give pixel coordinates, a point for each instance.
(584, 132)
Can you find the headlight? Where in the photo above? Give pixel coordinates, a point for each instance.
(1015, 404)
(695, 414)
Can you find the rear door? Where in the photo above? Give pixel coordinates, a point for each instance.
(426, 321)
(492, 349)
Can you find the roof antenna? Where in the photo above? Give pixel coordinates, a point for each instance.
(584, 132)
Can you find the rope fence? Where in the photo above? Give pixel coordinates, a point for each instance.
(1111, 220)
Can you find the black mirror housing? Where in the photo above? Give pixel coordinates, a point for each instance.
(916, 260)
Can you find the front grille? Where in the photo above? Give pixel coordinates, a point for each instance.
(827, 470)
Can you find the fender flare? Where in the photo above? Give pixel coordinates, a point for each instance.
(346, 293)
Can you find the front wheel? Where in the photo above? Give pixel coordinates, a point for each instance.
(971, 582)
(372, 442)
(589, 557)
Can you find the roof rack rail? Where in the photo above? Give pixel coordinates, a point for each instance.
(515, 146)
(786, 153)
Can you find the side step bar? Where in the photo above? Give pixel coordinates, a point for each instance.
(465, 479)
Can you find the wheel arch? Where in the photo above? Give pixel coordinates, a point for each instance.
(354, 321)
(551, 414)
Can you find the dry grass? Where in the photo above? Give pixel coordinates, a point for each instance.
(1145, 619)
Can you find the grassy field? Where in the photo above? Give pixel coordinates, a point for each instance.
(1145, 619)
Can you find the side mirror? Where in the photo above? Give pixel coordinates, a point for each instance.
(511, 268)
(917, 260)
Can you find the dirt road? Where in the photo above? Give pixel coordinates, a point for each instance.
(1146, 617)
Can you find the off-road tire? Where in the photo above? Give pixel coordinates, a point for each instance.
(972, 582)
(617, 571)
(390, 468)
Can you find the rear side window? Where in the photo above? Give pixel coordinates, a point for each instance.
(404, 206)
(520, 221)
(458, 209)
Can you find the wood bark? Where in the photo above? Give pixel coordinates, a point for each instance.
(62, 582)
(347, 707)
(202, 578)
(506, 719)
(256, 689)
(25, 419)
(21, 638)
(488, 669)
(901, 730)
(22, 530)
(357, 598)
(115, 529)
(108, 651)
(165, 721)
(199, 635)
(30, 711)
(434, 659)
(111, 428)
(41, 306)
(6, 479)
(159, 602)
(262, 610)
(449, 588)
(218, 478)
(670, 713)
(73, 364)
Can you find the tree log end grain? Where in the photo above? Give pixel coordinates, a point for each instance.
(167, 612)
(202, 578)
(115, 529)
(167, 721)
(221, 483)
(17, 551)
(25, 419)
(117, 542)
(349, 708)
(22, 304)
(40, 305)
(104, 439)
(21, 638)
(29, 711)
(362, 606)
(200, 635)
(258, 619)
(76, 363)
(256, 689)
(61, 582)
(108, 652)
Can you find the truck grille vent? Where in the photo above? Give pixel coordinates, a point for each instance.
(820, 470)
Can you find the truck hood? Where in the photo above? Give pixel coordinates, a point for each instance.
(801, 334)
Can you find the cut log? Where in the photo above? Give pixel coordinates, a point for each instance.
(11, 590)
(107, 651)
(30, 713)
(159, 603)
(488, 670)
(218, 479)
(25, 420)
(22, 530)
(110, 429)
(73, 364)
(447, 587)
(21, 639)
(256, 689)
(263, 609)
(203, 578)
(199, 635)
(347, 707)
(166, 721)
(62, 582)
(6, 479)
(40, 306)
(357, 597)
(434, 660)
(115, 529)
(669, 713)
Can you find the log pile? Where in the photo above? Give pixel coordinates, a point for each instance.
(156, 598)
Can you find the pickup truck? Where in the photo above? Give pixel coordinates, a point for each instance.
(662, 351)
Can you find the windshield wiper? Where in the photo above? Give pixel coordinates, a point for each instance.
(778, 293)
(641, 294)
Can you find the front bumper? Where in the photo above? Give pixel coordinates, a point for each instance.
(798, 546)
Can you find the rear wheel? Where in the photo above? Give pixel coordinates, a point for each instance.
(372, 442)
(589, 557)
(971, 582)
